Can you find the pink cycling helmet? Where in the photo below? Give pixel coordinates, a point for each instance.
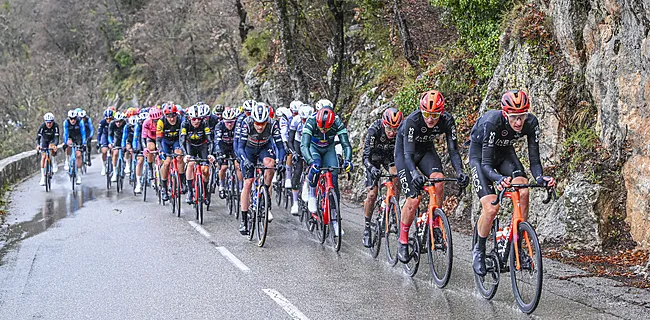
(155, 114)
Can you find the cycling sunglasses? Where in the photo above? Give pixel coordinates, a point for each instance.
(229, 121)
(260, 123)
(514, 117)
(432, 115)
(390, 129)
(197, 118)
(171, 115)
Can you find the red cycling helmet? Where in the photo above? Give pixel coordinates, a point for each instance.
(432, 102)
(155, 113)
(392, 118)
(325, 118)
(515, 101)
(170, 109)
(271, 112)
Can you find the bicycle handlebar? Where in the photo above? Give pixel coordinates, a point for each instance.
(550, 192)
(432, 181)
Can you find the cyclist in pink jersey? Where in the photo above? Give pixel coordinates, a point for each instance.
(149, 135)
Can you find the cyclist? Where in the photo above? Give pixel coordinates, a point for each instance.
(295, 137)
(115, 134)
(127, 136)
(415, 149)
(149, 136)
(257, 134)
(168, 130)
(102, 136)
(378, 151)
(318, 148)
(224, 133)
(492, 158)
(47, 137)
(138, 147)
(284, 118)
(216, 115)
(90, 132)
(196, 141)
(247, 107)
(74, 132)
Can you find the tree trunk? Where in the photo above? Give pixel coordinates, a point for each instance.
(243, 27)
(407, 43)
(338, 43)
(288, 60)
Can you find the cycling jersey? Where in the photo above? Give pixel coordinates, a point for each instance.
(195, 136)
(285, 123)
(254, 146)
(76, 132)
(115, 133)
(102, 133)
(238, 124)
(224, 139)
(149, 129)
(312, 136)
(127, 134)
(213, 120)
(492, 154)
(378, 149)
(166, 130)
(90, 130)
(47, 136)
(414, 148)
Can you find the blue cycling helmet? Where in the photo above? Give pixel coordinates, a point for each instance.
(109, 113)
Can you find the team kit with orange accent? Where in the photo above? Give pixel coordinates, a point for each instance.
(304, 144)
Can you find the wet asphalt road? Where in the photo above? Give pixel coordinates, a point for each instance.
(96, 254)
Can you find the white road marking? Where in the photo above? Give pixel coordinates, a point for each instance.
(200, 229)
(231, 257)
(285, 304)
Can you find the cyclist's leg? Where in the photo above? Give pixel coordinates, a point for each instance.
(44, 145)
(295, 180)
(164, 171)
(78, 142)
(511, 166)
(128, 153)
(390, 167)
(268, 159)
(252, 155)
(312, 178)
(431, 166)
(138, 171)
(371, 196)
(288, 170)
(189, 167)
(151, 146)
(412, 201)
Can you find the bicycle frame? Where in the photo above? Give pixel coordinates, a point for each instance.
(325, 184)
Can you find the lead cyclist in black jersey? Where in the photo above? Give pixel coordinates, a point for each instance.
(414, 149)
(492, 158)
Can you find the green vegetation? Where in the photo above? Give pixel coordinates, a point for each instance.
(256, 47)
(478, 23)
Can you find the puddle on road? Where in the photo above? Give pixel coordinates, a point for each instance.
(55, 208)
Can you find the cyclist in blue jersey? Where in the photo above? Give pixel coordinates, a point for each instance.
(74, 132)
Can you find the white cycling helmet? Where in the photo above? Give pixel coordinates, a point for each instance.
(229, 114)
(283, 111)
(81, 114)
(119, 116)
(249, 104)
(324, 103)
(72, 114)
(48, 117)
(305, 111)
(204, 110)
(133, 120)
(143, 116)
(295, 105)
(260, 113)
(192, 111)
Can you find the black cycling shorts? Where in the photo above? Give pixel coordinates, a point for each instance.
(384, 162)
(200, 151)
(427, 162)
(506, 163)
(296, 173)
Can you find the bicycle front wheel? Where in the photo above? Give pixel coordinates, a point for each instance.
(177, 193)
(172, 195)
(318, 224)
(527, 273)
(262, 220)
(48, 175)
(439, 249)
(335, 220)
(487, 286)
(415, 247)
(200, 195)
(376, 230)
(391, 230)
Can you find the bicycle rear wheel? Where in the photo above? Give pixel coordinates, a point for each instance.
(145, 184)
(335, 220)
(439, 249)
(376, 229)
(318, 224)
(262, 220)
(415, 247)
(172, 190)
(252, 216)
(527, 279)
(48, 175)
(119, 176)
(391, 230)
(109, 171)
(199, 198)
(487, 286)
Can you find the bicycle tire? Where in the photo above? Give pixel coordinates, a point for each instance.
(391, 231)
(252, 215)
(334, 226)
(262, 219)
(48, 175)
(109, 172)
(177, 193)
(172, 197)
(525, 229)
(73, 171)
(411, 268)
(487, 286)
(376, 229)
(440, 273)
(119, 175)
(199, 198)
(145, 183)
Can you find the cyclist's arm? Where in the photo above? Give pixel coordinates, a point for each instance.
(292, 139)
(91, 128)
(452, 145)
(55, 141)
(368, 145)
(136, 136)
(39, 134)
(160, 129)
(409, 144)
(533, 149)
(277, 137)
(111, 132)
(182, 139)
(100, 132)
(125, 134)
(243, 136)
(82, 125)
(208, 135)
(306, 141)
(488, 153)
(65, 131)
(344, 141)
(218, 140)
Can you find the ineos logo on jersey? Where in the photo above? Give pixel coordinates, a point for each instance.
(537, 133)
(410, 135)
(491, 140)
(475, 181)
(453, 133)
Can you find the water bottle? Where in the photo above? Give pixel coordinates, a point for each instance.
(501, 241)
